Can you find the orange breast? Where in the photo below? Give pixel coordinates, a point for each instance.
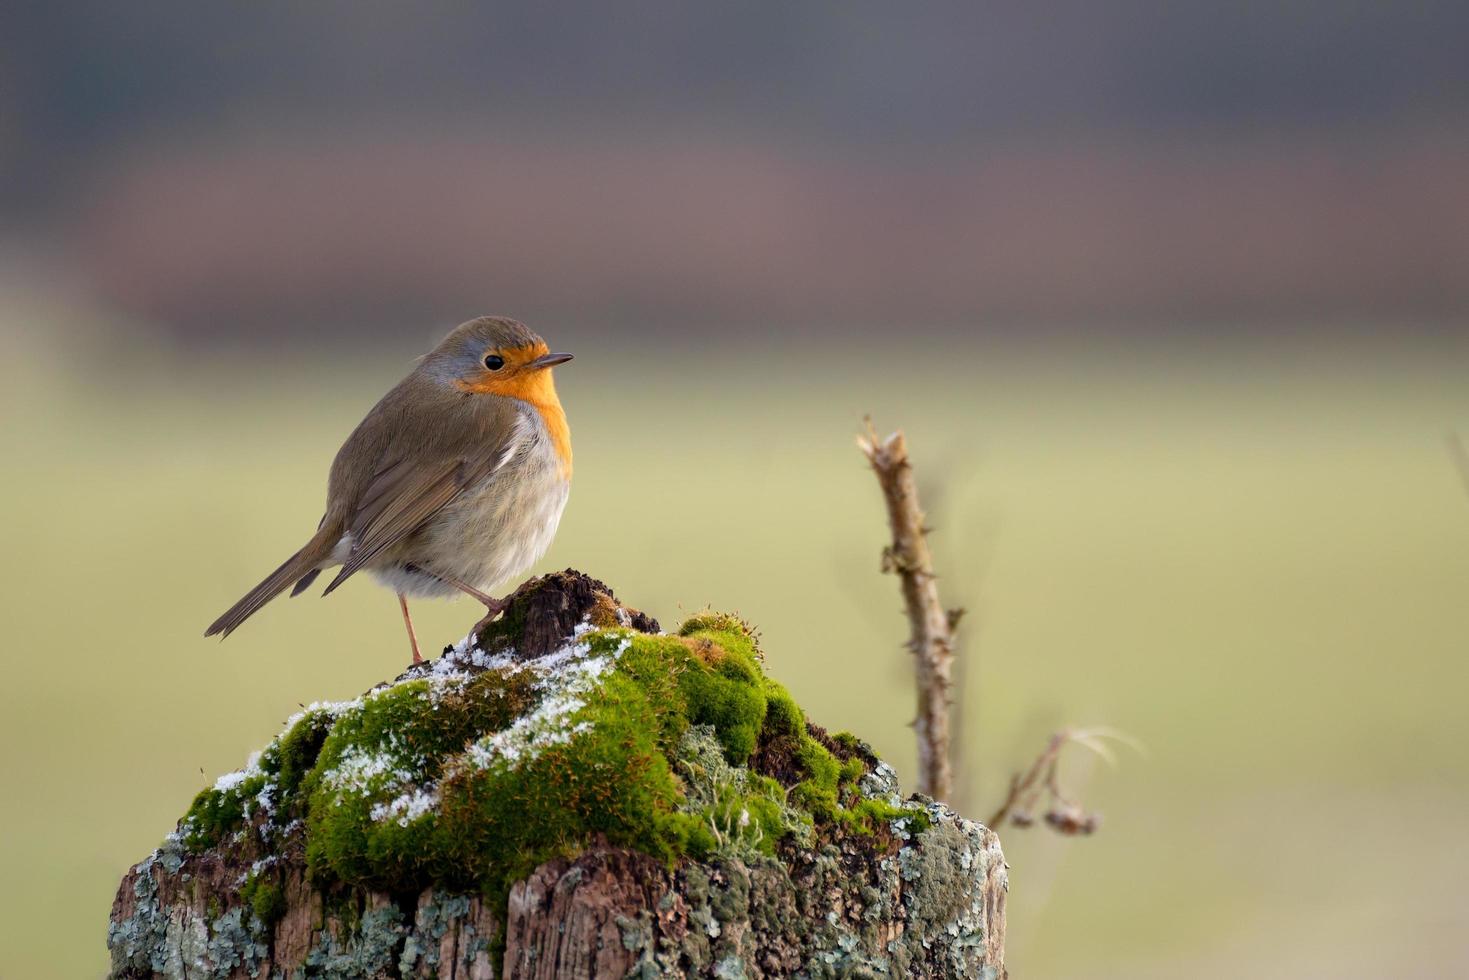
(554, 418)
(537, 389)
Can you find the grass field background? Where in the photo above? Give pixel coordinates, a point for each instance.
(1253, 557)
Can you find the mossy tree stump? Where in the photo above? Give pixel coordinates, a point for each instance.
(569, 793)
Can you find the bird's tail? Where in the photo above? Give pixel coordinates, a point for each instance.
(300, 567)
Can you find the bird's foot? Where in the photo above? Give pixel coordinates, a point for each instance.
(493, 608)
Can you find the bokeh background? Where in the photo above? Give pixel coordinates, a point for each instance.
(1170, 299)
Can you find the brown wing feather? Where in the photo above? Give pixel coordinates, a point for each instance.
(301, 563)
(392, 474)
(407, 492)
(401, 513)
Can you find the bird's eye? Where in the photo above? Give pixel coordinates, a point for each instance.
(494, 362)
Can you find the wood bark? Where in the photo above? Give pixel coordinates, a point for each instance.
(930, 625)
(929, 909)
(919, 895)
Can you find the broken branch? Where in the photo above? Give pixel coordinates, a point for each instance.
(930, 625)
(1063, 814)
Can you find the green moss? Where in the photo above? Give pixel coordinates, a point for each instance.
(268, 787)
(612, 779)
(732, 628)
(819, 791)
(265, 898)
(736, 812)
(868, 816)
(473, 782)
(726, 694)
(848, 743)
(782, 715)
(217, 813)
(291, 756)
(828, 785)
(403, 734)
(822, 776)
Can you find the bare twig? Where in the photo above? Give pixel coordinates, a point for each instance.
(1063, 814)
(1459, 455)
(1024, 788)
(931, 631)
(930, 626)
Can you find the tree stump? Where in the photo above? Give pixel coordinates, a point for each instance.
(569, 793)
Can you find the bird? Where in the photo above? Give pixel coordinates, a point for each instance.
(454, 482)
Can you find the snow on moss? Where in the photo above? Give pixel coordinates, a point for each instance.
(361, 770)
(407, 807)
(486, 764)
(564, 679)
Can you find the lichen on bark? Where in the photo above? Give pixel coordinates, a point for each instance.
(572, 787)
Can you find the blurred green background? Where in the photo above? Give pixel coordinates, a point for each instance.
(1252, 559)
(1169, 299)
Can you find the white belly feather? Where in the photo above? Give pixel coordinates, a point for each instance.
(492, 532)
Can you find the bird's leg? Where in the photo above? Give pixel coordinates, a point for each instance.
(491, 603)
(408, 622)
(495, 606)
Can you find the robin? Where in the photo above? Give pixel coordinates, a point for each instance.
(454, 482)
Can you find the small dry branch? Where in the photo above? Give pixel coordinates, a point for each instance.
(930, 625)
(1459, 455)
(1042, 779)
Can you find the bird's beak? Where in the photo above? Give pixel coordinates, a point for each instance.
(548, 360)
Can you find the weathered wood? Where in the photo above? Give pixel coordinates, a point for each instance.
(563, 921)
(918, 895)
(180, 918)
(934, 908)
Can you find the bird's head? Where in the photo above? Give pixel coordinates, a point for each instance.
(495, 355)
